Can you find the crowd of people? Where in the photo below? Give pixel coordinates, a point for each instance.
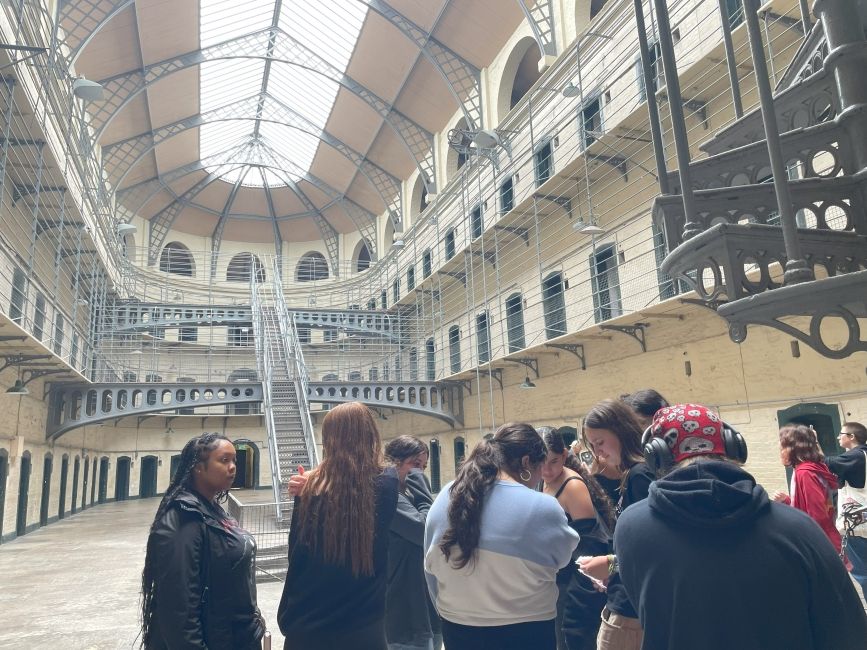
(657, 539)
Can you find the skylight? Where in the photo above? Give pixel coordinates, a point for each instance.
(328, 28)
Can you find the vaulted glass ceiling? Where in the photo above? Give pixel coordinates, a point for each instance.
(328, 27)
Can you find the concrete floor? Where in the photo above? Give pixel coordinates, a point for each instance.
(75, 584)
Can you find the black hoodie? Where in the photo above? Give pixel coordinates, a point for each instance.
(711, 564)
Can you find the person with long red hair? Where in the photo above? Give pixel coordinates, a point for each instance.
(334, 594)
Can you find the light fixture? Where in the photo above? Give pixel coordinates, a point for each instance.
(487, 139)
(18, 388)
(89, 91)
(82, 302)
(126, 229)
(136, 351)
(398, 244)
(527, 383)
(570, 90)
(587, 227)
(311, 300)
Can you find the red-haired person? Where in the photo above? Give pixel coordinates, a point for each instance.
(813, 485)
(334, 594)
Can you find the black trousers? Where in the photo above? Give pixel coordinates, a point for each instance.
(538, 635)
(371, 637)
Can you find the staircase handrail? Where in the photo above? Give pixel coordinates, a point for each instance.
(290, 333)
(264, 366)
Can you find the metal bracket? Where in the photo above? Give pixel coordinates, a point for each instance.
(523, 233)
(18, 359)
(563, 201)
(489, 256)
(433, 293)
(618, 162)
(496, 373)
(3, 339)
(36, 374)
(460, 275)
(635, 331)
(20, 191)
(575, 348)
(529, 362)
(698, 108)
(713, 305)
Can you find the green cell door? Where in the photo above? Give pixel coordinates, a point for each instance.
(23, 494)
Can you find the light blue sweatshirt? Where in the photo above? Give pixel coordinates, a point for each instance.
(524, 541)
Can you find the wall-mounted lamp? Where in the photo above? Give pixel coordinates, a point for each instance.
(570, 90)
(398, 244)
(527, 384)
(18, 388)
(587, 227)
(125, 229)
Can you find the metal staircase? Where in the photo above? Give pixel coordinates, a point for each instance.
(793, 254)
(284, 381)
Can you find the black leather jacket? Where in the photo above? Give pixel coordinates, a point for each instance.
(205, 588)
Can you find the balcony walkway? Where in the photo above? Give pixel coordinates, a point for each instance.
(75, 584)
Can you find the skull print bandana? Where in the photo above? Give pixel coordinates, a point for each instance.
(689, 430)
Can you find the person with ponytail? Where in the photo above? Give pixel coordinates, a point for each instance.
(494, 545)
(591, 514)
(334, 594)
(198, 582)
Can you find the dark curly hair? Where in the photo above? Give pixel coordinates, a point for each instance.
(801, 443)
(477, 475)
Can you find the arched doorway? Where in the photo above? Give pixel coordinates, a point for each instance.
(76, 475)
(121, 479)
(64, 478)
(103, 481)
(434, 464)
(825, 420)
(147, 482)
(174, 463)
(84, 483)
(23, 494)
(246, 465)
(47, 468)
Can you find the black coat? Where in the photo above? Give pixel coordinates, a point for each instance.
(205, 588)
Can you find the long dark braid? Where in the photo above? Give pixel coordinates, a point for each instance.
(601, 502)
(195, 451)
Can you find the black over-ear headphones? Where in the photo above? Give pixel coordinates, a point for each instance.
(660, 457)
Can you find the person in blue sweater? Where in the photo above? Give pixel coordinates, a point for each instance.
(493, 547)
(710, 562)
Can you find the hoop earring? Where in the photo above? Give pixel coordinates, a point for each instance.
(525, 478)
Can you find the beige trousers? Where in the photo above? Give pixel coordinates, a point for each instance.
(619, 632)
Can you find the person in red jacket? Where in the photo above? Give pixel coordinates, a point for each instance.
(813, 485)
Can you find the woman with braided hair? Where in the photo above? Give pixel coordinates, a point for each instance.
(198, 582)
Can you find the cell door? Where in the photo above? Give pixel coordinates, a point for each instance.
(148, 477)
(76, 474)
(825, 420)
(121, 480)
(103, 480)
(64, 477)
(47, 467)
(23, 495)
(4, 474)
(241, 467)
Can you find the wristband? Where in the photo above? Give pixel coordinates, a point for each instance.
(613, 566)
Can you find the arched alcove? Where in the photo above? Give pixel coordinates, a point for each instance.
(417, 200)
(177, 258)
(311, 267)
(243, 266)
(362, 257)
(454, 159)
(388, 235)
(247, 464)
(519, 74)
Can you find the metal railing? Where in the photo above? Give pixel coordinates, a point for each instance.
(270, 531)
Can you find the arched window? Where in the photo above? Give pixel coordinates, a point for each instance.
(413, 365)
(435, 481)
(39, 317)
(456, 159)
(483, 337)
(176, 258)
(460, 448)
(362, 256)
(243, 266)
(311, 267)
(554, 305)
(430, 360)
(418, 199)
(19, 296)
(455, 348)
(515, 322)
(519, 74)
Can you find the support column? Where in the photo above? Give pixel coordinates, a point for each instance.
(797, 269)
(731, 62)
(678, 122)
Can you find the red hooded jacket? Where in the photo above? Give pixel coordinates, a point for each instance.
(814, 494)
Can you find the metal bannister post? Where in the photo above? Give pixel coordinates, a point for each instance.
(652, 107)
(678, 121)
(731, 62)
(797, 269)
(805, 17)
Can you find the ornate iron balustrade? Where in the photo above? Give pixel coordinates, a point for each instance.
(77, 405)
(437, 399)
